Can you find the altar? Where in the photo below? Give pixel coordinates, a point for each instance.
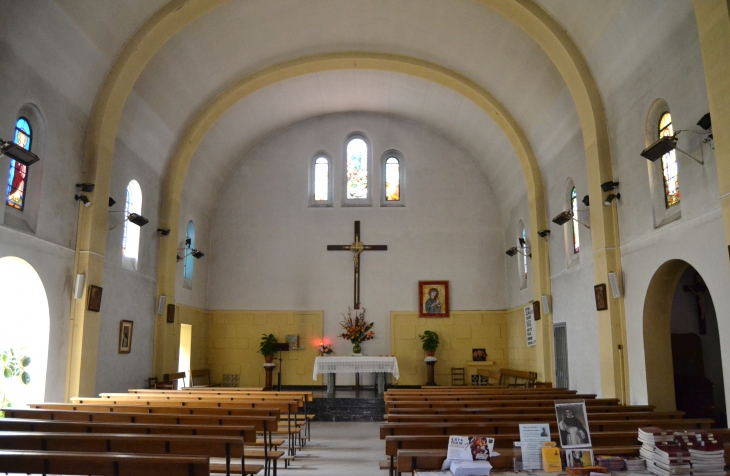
(352, 365)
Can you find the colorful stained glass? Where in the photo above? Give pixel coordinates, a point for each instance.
(357, 170)
(392, 179)
(670, 172)
(574, 221)
(18, 173)
(321, 179)
(133, 204)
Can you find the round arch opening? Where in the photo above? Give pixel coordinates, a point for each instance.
(25, 320)
(682, 344)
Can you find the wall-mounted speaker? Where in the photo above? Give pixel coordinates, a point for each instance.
(615, 288)
(545, 304)
(79, 287)
(161, 305)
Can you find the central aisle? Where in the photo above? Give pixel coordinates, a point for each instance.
(341, 448)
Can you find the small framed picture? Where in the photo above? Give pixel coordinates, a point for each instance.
(479, 355)
(573, 424)
(94, 298)
(601, 301)
(125, 336)
(170, 313)
(293, 341)
(579, 458)
(433, 298)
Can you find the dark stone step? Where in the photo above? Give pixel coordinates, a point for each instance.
(347, 409)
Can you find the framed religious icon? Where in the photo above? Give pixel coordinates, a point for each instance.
(433, 298)
(601, 301)
(125, 336)
(573, 424)
(94, 298)
(479, 355)
(579, 458)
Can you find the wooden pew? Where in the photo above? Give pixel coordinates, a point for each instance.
(517, 376)
(229, 448)
(479, 403)
(519, 410)
(521, 396)
(527, 417)
(104, 464)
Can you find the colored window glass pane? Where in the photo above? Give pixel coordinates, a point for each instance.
(17, 172)
(357, 169)
(574, 221)
(670, 173)
(321, 179)
(189, 262)
(130, 236)
(392, 179)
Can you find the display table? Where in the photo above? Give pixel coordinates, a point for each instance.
(354, 365)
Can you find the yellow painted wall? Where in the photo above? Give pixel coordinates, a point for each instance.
(233, 339)
(501, 333)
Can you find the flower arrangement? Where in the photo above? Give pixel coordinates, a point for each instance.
(357, 329)
(325, 349)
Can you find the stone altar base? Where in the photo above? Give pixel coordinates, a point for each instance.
(348, 409)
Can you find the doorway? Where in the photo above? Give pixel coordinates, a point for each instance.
(682, 344)
(186, 344)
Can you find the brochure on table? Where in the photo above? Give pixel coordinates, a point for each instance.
(469, 456)
(532, 437)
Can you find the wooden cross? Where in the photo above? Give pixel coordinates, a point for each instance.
(357, 247)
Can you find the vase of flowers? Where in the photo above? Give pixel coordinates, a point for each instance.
(357, 329)
(325, 349)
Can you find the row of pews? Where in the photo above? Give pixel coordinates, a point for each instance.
(418, 422)
(150, 432)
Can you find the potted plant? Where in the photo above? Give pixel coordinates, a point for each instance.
(430, 341)
(267, 347)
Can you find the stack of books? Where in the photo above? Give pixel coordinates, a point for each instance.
(707, 452)
(649, 436)
(611, 463)
(670, 459)
(635, 464)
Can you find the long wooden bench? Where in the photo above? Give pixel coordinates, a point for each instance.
(103, 464)
(527, 417)
(491, 396)
(229, 448)
(478, 403)
(518, 410)
(517, 377)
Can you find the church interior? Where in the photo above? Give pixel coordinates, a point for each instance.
(202, 164)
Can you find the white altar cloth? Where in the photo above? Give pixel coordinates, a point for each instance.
(351, 365)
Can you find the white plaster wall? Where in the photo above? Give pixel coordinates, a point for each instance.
(268, 249)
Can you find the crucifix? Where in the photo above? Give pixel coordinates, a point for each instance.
(356, 248)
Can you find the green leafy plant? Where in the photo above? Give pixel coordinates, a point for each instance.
(14, 365)
(267, 345)
(430, 340)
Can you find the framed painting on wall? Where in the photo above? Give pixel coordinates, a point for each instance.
(433, 298)
(94, 298)
(125, 336)
(601, 301)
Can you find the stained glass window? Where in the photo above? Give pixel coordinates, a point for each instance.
(189, 259)
(133, 204)
(357, 170)
(392, 179)
(18, 173)
(669, 163)
(523, 244)
(321, 179)
(574, 221)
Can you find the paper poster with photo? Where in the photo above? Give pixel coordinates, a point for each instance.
(573, 424)
(579, 458)
(469, 448)
(532, 437)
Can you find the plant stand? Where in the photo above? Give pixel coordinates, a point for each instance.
(430, 364)
(269, 368)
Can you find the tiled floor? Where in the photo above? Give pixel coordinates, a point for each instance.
(340, 449)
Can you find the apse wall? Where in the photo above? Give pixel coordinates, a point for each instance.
(268, 248)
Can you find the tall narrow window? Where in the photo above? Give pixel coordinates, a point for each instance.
(392, 179)
(321, 179)
(18, 173)
(133, 204)
(669, 163)
(523, 245)
(189, 259)
(357, 170)
(574, 221)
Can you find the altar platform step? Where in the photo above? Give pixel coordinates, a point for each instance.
(347, 409)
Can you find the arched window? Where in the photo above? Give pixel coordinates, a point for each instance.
(189, 262)
(18, 173)
(669, 163)
(574, 221)
(356, 186)
(133, 204)
(321, 179)
(392, 179)
(522, 255)
(523, 244)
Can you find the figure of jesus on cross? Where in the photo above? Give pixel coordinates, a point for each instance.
(356, 248)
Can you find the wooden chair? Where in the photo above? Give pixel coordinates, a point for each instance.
(458, 376)
(154, 384)
(201, 378)
(173, 379)
(493, 377)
